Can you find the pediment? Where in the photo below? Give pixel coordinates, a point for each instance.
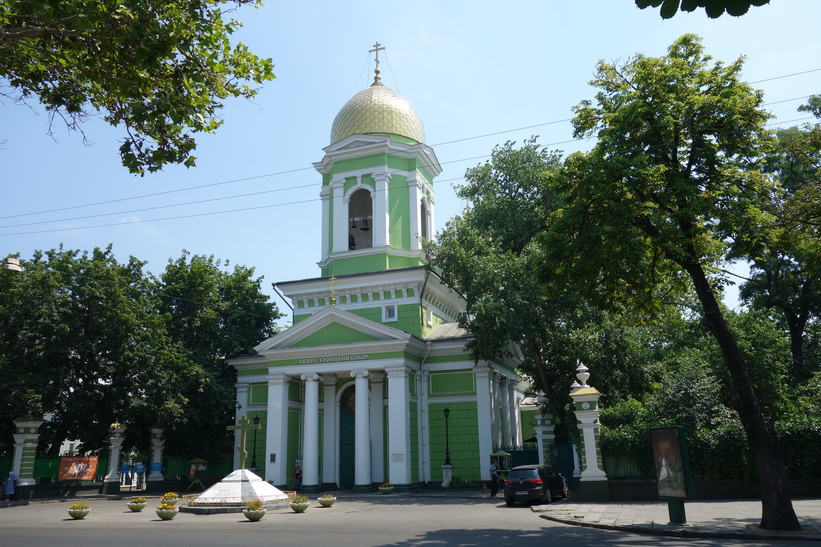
(331, 327)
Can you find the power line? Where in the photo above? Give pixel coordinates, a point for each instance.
(279, 173)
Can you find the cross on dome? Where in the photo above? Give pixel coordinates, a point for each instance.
(377, 47)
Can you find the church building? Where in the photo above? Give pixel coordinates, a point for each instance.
(373, 382)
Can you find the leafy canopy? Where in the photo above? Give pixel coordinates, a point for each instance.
(713, 8)
(161, 70)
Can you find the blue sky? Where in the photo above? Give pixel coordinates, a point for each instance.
(477, 72)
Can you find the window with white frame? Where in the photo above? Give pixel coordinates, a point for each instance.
(389, 313)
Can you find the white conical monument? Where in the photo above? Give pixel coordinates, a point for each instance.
(238, 487)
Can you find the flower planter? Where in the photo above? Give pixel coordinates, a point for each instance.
(136, 507)
(79, 513)
(299, 506)
(326, 502)
(254, 515)
(167, 514)
(386, 489)
(172, 501)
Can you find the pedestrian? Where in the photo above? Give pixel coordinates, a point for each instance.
(9, 486)
(297, 478)
(494, 478)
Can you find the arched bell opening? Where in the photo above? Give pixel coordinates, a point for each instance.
(360, 220)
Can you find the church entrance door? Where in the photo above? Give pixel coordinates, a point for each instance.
(347, 434)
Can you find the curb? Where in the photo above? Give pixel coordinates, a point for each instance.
(786, 536)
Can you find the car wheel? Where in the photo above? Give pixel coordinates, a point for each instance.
(548, 497)
(510, 502)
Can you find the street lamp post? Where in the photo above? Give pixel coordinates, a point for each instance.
(254, 454)
(447, 437)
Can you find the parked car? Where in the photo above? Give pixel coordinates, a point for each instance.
(539, 483)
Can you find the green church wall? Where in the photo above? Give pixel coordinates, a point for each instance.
(258, 394)
(462, 439)
(295, 391)
(334, 333)
(415, 455)
(260, 436)
(398, 212)
(450, 384)
(294, 443)
(529, 422)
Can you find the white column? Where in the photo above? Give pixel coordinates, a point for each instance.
(377, 427)
(511, 412)
(115, 439)
(517, 419)
(415, 206)
(329, 445)
(399, 448)
(157, 443)
(483, 409)
(362, 441)
(325, 195)
(239, 412)
(504, 411)
(545, 438)
(276, 433)
(310, 439)
(340, 214)
(25, 449)
(381, 221)
(494, 405)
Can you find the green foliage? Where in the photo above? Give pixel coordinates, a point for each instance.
(713, 8)
(159, 69)
(91, 341)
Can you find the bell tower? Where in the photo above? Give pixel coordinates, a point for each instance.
(377, 184)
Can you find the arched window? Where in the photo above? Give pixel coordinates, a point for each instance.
(423, 220)
(360, 220)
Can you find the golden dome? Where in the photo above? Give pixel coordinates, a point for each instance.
(377, 109)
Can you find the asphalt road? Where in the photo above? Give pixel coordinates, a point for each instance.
(353, 521)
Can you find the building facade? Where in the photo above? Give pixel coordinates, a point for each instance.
(355, 391)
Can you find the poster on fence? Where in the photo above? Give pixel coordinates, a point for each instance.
(77, 468)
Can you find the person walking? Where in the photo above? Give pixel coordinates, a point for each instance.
(494, 478)
(297, 478)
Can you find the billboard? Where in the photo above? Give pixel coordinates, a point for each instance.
(77, 468)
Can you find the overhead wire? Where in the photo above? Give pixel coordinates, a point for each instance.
(289, 171)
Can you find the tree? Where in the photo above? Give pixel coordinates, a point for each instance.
(78, 332)
(667, 184)
(490, 256)
(211, 314)
(785, 248)
(91, 341)
(713, 8)
(159, 69)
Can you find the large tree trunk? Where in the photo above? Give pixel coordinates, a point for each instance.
(777, 510)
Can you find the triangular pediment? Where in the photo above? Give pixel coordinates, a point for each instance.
(331, 327)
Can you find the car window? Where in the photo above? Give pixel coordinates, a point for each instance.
(521, 474)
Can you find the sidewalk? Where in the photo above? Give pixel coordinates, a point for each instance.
(722, 519)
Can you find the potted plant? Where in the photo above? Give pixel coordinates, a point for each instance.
(170, 498)
(299, 503)
(167, 511)
(386, 488)
(326, 500)
(137, 504)
(254, 510)
(79, 510)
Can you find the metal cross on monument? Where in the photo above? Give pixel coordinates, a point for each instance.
(243, 427)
